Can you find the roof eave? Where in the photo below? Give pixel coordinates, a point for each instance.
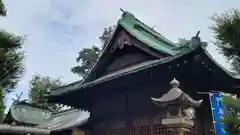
(226, 71)
(59, 92)
(86, 77)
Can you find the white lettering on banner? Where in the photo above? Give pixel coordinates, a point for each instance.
(223, 130)
(220, 112)
(218, 100)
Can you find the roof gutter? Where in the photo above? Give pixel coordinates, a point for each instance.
(4, 128)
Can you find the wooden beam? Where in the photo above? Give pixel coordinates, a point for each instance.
(4, 128)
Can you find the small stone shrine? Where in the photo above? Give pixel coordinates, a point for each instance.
(180, 109)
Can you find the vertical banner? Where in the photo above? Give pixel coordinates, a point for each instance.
(217, 109)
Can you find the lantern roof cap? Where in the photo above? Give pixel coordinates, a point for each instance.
(175, 96)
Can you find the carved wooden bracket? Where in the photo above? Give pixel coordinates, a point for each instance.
(122, 40)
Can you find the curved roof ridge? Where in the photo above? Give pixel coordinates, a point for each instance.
(147, 28)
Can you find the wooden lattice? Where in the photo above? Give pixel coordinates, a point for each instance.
(119, 131)
(141, 130)
(145, 128)
(154, 129)
(159, 129)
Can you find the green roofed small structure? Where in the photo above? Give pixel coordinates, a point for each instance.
(137, 64)
(24, 117)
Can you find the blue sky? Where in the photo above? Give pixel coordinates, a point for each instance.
(57, 29)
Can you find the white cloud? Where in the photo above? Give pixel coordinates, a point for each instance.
(57, 29)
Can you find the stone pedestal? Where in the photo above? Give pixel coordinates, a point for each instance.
(178, 122)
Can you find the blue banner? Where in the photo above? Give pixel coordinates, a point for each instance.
(217, 108)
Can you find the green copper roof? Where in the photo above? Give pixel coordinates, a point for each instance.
(25, 113)
(142, 33)
(152, 39)
(65, 119)
(42, 118)
(146, 35)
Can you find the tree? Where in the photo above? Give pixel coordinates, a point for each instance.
(39, 86)
(226, 33)
(106, 35)
(232, 115)
(88, 56)
(2, 9)
(11, 57)
(11, 61)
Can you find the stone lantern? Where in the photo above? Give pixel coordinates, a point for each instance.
(180, 109)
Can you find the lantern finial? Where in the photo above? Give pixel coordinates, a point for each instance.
(175, 83)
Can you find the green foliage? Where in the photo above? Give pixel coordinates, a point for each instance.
(39, 86)
(226, 33)
(106, 36)
(232, 115)
(3, 11)
(11, 61)
(88, 56)
(11, 57)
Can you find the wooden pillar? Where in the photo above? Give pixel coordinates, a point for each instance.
(128, 117)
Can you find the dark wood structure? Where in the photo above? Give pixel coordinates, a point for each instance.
(137, 64)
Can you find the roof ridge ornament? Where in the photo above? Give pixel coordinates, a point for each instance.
(122, 10)
(197, 34)
(126, 13)
(175, 83)
(195, 41)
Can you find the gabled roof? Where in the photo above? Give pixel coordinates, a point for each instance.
(151, 38)
(143, 33)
